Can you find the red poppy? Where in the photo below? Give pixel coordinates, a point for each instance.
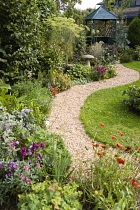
(119, 145)
(135, 184)
(101, 124)
(100, 154)
(113, 137)
(128, 148)
(95, 145)
(132, 180)
(122, 134)
(120, 160)
(103, 146)
(139, 149)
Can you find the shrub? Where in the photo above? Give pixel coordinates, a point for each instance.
(51, 195)
(138, 53)
(28, 152)
(110, 71)
(60, 80)
(128, 55)
(133, 100)
(79, 71)
(134, 32)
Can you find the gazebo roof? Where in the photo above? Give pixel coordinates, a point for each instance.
(101, 14)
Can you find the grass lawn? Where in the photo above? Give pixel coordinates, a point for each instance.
(105, 106)
(133, 65)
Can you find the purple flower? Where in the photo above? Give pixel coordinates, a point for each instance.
(46, 101)
(30, 153)
(47, 115)
(35, 145)
(38, 156)
(26, 110)
(1, 166)
(17, 142)
(27, 126)
(31, 147)
(29, 161)
(22, 136)
(23, 149)
(23, 154)
(8, 174)
(5, 127)
(12, 164)
(42, 144)
(31, 110)
(22, 113)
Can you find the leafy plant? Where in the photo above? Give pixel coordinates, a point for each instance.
(98, 72)
(107, 182)
(51, 195)
(133, 101)
(28, 152)
(79, 71)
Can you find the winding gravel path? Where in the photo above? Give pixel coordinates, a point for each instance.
(64, 117)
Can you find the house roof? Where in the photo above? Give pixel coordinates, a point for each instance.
(131, 12)
(101, 14)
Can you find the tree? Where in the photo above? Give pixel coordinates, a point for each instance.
(134, 32)
(22, 35)
(65, 5)
(63, 32)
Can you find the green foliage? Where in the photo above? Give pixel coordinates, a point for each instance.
(106, 184)
(79, 71)
(104, 54)
(134, 32)
(128, 55)
(60, 80)
(121, 36)
(50, 195)
(22, 37)
(110, 71)
(138, 53)
(28, 152)
(63, 32)
(133, 100)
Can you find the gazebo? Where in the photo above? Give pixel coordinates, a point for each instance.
(103, 22)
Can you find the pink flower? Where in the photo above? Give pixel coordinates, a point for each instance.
(38, 165)
(22, 177)
(28, 181)
(26, 168)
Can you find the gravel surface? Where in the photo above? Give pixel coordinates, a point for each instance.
(64, 117)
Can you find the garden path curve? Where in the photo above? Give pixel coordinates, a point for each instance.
(64, 117)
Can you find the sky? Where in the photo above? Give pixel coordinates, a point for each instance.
(88, 4)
